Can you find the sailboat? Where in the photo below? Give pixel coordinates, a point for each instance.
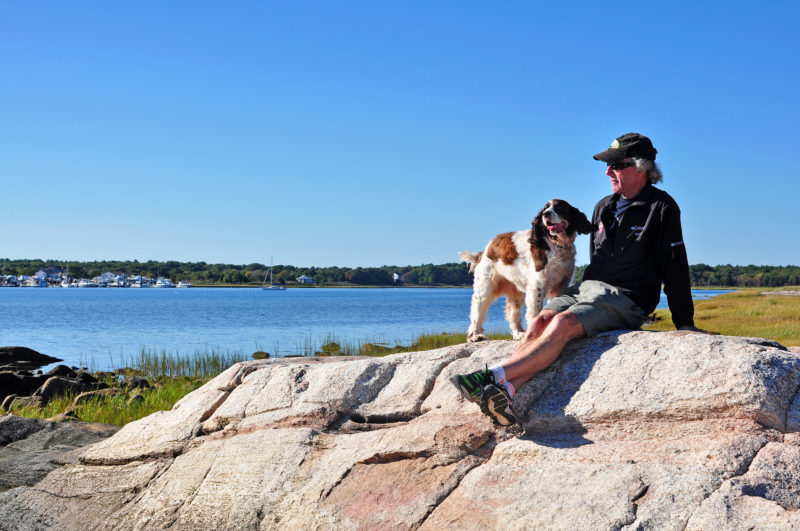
(271, 287)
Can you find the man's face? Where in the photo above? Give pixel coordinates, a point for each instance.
(626, 181)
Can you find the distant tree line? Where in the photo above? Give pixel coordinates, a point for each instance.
(736, 276)
(451, 274)
(745, 276)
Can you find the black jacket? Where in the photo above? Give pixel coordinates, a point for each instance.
(644, 251)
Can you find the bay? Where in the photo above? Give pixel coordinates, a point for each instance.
(103, 327)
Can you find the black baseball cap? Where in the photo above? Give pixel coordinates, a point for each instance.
(626, 146)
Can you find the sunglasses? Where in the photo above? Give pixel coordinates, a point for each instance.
(620, 165)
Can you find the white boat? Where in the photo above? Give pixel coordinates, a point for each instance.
(83, 283)
(183, 284)
(163, 283)
(271, 287)
(65, 283)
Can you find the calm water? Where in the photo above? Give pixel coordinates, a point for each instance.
(101, 327)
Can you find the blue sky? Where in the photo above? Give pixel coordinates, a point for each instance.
(371, 133)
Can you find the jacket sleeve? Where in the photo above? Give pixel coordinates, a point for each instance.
(674, 267)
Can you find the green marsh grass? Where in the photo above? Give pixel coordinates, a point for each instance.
(202, 364)
(749, 312)
(119, 409)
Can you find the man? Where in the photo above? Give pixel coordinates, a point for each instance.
(637, 246)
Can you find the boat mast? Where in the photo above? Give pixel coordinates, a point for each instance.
(270, 271)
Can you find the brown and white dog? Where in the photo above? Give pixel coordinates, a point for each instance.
(525, 266)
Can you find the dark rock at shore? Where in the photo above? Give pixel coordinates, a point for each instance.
(21, 358)
(19, 384)
(56, 386)
(86, 377)
(31, 448)
(100, 394)
(14, 428)
(61, 370)
(134, 382)
(7, 401)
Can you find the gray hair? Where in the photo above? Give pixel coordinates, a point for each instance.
(654, 174)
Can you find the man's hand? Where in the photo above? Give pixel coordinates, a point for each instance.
(539, 324)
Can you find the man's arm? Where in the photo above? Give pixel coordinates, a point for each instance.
(674, 268)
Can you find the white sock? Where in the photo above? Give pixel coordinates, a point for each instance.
(510, 389)
(499, 374)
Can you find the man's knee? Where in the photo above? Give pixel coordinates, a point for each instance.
(566, 323)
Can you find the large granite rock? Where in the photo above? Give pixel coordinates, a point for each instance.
(637, 430)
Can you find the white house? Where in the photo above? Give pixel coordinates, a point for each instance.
(304, 279)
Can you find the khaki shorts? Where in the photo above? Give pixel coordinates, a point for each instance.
(599, 307)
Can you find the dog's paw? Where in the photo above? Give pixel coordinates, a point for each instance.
(474, 338)
(518, 335)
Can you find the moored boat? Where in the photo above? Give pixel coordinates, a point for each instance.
(163, 283)
(271, 287)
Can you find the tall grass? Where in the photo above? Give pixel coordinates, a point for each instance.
(202, 364)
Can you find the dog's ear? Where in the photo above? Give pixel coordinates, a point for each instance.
(538, 243)
(580, 223)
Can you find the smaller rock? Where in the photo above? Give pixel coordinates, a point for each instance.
(25, 401)
(100, 394)
(331, 348)
(69, 415)
(57, 386)
(260, 355)
(86, 377)
(134, 382)
(136, 398)
(7, 402)
(61, 370)
(14, 428)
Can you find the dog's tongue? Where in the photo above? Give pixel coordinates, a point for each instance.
(557, 228)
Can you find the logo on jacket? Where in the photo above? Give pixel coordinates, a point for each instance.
(675, 244)
(600, 227)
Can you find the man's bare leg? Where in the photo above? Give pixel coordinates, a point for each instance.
(549, 337)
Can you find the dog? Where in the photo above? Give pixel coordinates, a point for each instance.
(525, 266)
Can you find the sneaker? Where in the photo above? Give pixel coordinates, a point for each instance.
(496, 404)
(471, 385)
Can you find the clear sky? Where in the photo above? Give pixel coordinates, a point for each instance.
(371, 133)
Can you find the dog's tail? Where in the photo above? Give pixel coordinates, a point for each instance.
(472, 258)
